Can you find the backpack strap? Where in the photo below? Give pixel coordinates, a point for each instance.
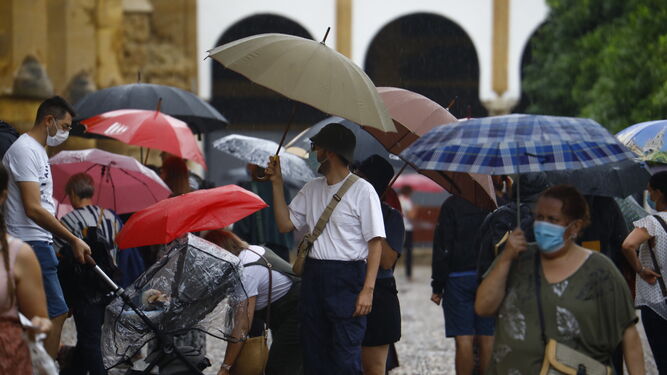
(269, 267)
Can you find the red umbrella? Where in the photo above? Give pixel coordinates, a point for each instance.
(152, 129)
(417, 182)
(414, 115)
(200, 210)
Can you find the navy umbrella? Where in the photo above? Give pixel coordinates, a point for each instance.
(200, 116)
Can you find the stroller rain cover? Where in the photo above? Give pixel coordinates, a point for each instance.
(199, 287)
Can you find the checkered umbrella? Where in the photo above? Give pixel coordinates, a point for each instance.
(516, 143)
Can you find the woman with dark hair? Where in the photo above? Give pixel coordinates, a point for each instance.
(174, 173)
(281, 289)
(383, 323)
(582, 297)
(650, 237)
(21, 290)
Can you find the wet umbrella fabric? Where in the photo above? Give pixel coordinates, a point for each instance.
(618, 179)
(200, 116)
(646, 140)
(257, 151)
(309, 72)
(121, 183)
(151, 129)
(516, 143)
(201, 292)
(192, 212)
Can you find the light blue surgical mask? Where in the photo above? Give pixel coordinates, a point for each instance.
(549, 237)
(312, 161)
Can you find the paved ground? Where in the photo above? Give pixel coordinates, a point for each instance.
(423, 349)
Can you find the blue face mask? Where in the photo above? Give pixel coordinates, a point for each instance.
(312, 161)
(549, 236)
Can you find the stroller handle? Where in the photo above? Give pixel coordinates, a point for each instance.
(91, 262)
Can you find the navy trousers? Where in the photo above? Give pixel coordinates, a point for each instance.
(331, 338)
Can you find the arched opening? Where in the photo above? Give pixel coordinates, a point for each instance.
(245, 103)
(430, 55)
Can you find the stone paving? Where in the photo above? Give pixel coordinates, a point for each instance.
(423, 349)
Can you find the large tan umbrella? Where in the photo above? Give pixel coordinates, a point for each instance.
(309, 72)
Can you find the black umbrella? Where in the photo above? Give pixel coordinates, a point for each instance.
(619, 179)
(366, 145)
(184, 105)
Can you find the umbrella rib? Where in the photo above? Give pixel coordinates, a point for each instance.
(138, 180)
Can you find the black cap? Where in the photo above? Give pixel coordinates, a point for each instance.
(378, 172)
(336, 138)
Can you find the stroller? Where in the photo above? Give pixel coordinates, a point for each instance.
(193, 290)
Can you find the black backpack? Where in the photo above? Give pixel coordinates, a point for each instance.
(79, 281)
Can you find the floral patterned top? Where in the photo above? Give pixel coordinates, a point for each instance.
(589, 312)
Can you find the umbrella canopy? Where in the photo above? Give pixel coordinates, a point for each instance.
(200, 116)
(646, 140)
(257, 151)
(516, 144)
(309, 72)
(417, 182)
(192, 212)
(122, 184)
(151, 129)
(413, 114)
(365, 147)
(619, 179)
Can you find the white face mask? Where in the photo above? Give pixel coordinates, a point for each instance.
(60, 137)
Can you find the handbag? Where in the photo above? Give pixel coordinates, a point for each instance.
(255, 352)
(309, 239)
(42, 364)
(559, 358)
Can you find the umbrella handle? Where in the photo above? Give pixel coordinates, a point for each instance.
(264, 177)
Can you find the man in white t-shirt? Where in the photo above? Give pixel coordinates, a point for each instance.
(339, 274)
(30, 207)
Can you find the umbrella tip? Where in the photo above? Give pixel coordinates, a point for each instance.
(326, 35)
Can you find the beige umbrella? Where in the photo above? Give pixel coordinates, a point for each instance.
(309, 72)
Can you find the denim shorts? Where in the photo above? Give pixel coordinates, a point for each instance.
(46, 255)
(458, 303)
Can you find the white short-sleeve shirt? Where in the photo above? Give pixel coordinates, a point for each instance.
(26, 161)
(356, 219)
(256, 279)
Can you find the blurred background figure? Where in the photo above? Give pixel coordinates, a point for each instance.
(260, 228)
(454, 281)
(174, 173)
(21, 290)
(409, 211)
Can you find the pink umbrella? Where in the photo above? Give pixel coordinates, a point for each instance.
(62, 209)
(121, 182)
(414, 115)
(152, 129)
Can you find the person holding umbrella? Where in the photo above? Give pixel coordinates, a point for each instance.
(30, 206)
(559, 291)
(340, 271)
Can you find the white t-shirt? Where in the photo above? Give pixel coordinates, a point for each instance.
(256, 279)
(406, 206)
(356, 219)
(26, 160)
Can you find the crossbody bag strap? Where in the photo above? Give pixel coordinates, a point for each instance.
(324, 218)
(538, 293)
(656, 266)
(269, 267)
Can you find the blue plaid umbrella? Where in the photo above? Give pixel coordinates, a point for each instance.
(514, 144)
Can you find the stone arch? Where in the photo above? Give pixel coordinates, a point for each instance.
(244, 102)
(429, 54)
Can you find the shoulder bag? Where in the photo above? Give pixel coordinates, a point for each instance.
(255, 352)
(559, 358)
(309, 239)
